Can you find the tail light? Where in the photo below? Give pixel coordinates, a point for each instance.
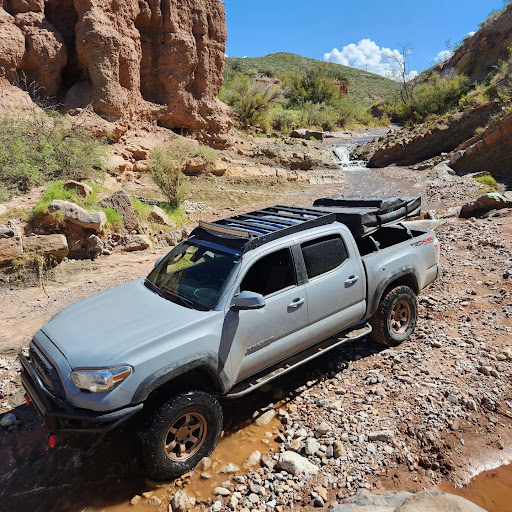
(438, 250)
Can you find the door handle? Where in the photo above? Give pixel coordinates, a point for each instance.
(296, 303)
(351, 280)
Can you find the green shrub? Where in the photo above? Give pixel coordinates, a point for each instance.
(114, 220)
(284, 120)
(252, 101)
(43, 148)
(143, 212)
(167, 165)
(489, 183)
(436, 96)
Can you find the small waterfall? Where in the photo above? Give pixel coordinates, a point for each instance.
(342, 154)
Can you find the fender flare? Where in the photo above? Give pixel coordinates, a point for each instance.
(400, 273)
(206, 363)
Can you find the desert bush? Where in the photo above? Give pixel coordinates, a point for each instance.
(43, 148)
(252, 101)
(167, 165)
(284, 120)
(313, 87)
(436, 96)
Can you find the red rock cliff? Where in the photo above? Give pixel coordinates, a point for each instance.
(157, 59)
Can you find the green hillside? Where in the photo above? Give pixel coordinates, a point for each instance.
(364, 87)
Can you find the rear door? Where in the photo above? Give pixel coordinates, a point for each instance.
(335, 285)
(261, 338)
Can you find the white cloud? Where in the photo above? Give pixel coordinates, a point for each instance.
(442, 56)
(470, 34)
(367, 55)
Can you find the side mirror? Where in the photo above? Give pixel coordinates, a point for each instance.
(248, 300)
(158, 261)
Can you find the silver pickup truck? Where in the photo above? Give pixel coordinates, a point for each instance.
(239, 303)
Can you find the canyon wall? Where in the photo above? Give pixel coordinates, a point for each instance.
(157, 60)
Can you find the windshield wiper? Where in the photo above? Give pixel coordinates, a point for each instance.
(184, 301)
(153, 286)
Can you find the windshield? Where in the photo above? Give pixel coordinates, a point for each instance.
(194, 274)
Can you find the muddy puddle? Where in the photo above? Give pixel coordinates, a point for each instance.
(491, 490)
(199, 484)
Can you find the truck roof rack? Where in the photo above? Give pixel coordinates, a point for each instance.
(256, 228)
(362, 215)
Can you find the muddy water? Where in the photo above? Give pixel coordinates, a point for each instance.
(233, 448)
(491, 490)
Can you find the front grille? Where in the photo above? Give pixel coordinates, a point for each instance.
(47, 372)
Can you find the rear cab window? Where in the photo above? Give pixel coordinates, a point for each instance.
(323, 255)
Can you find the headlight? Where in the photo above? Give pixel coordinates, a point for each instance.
(100, 381)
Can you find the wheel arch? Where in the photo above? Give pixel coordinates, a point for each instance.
(198, 375)
(403, 277)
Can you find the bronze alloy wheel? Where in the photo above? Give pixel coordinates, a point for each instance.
(185, 437)
(401, 316)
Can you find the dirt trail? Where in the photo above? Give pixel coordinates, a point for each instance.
(447, 417)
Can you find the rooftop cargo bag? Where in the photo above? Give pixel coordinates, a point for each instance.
(365, 215)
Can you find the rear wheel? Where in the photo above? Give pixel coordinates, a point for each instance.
(179, 433)
(396, 317)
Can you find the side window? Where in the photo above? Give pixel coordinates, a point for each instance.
(270, 274)
(323, 255)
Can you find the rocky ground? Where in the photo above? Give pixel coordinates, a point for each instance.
(439, 407)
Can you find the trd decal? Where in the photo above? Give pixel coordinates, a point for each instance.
(423, 242)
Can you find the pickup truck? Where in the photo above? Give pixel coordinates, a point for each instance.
(239, 303)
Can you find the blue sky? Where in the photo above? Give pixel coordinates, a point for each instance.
(315, 28)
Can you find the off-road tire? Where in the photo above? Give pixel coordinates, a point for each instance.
(154, 432)
(382, 320)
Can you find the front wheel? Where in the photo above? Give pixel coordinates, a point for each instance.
(179, 433)
(396, 317)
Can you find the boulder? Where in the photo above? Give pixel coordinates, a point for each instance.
(294, 463)
(490, 201)
(93, 220)
(137, 243)
(194, 166)
(10, 248)
(160, 216)
(6, 233)
(82, 189)
(48, 245)
(94, 244)
(120, 201)
(429, 500)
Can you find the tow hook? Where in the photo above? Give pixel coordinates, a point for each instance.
(52, 441)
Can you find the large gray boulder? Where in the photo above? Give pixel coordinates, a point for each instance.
(94, 220)
(120, 201)
(427, 501)
(137, 243)
(424, 501)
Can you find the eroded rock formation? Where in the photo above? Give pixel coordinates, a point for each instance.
(481, 52)
(159, 60)
(489, 151)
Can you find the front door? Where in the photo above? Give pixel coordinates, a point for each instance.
(261, 338)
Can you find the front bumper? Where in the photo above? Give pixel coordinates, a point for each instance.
(59, 416)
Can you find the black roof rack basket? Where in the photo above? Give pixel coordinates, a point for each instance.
(262, 226)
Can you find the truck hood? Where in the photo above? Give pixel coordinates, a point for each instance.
(91, 332)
